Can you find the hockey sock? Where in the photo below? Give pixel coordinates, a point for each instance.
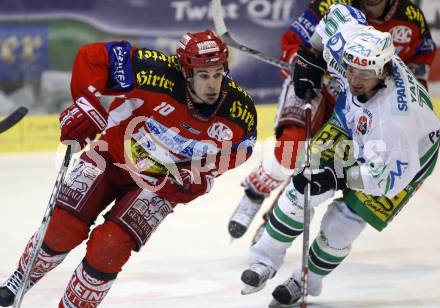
(87, 287)
(46, 261)
(282, 227)
(322, 260)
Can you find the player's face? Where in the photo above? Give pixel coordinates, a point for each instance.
(207, 83)
(362, 82)
(373, 8)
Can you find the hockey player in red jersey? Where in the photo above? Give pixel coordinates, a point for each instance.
(414, 44)
(176, 124)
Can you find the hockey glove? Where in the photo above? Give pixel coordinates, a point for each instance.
(308, 72)
(321, 180)
(83, 120)
(188, 187)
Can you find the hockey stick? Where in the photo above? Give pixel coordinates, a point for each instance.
(39, 237)
(307, 197)
(13, 119)
(222, 31)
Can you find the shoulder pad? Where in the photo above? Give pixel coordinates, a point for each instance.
(408, 11)
(321, 7)
(157, 72)
(239, 106)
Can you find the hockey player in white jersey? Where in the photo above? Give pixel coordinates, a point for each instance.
(378, 147)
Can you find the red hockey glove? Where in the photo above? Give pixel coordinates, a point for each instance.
(84, 119)
(289, 57)
(191, 187)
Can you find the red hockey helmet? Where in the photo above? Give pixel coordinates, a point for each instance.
(201, 49)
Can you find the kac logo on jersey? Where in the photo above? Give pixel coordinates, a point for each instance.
(401, 34)
(220, 132)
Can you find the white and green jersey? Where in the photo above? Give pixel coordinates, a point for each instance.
(396, 131)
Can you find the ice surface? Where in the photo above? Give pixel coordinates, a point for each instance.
(189, 262)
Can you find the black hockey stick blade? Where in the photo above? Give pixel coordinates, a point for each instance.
(13, 119)
(222, 31)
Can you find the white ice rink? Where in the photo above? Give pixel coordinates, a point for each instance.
(189, 261)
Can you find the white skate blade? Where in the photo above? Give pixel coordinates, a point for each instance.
(247, 289)
(275, 304)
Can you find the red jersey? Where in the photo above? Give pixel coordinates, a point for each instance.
(153, 123)
(403, 19)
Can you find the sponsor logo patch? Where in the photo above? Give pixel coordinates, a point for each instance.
(77, 184)
(401, 34)
(364, 123)
(207, 47)
(145, 214)
(400, 170)
(174, 142)
(240, 111)
(220, 132)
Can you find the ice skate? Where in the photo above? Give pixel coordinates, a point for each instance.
(6, 297)
(287, 293)
(255, 277)
(245, 213)
(10, 288)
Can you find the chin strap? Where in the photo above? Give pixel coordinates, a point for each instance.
(193, 110)
(193, 92)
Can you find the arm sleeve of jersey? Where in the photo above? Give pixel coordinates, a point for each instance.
(420, 63)
(340, 18)
(390, 163)
(425, 51)
(299, 32)
(106, 67)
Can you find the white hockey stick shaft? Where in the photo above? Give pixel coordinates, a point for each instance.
(39, 237)
(222, 32)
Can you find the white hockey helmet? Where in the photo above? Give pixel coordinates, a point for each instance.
(370, 50)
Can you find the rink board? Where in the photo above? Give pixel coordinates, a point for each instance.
(40, 133)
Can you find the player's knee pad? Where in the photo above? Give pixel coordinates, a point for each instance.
(340, 226)
(289, 144)
(275, 168)
(65, 231)
(266, 177)
(291, 204)
(109, 247)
